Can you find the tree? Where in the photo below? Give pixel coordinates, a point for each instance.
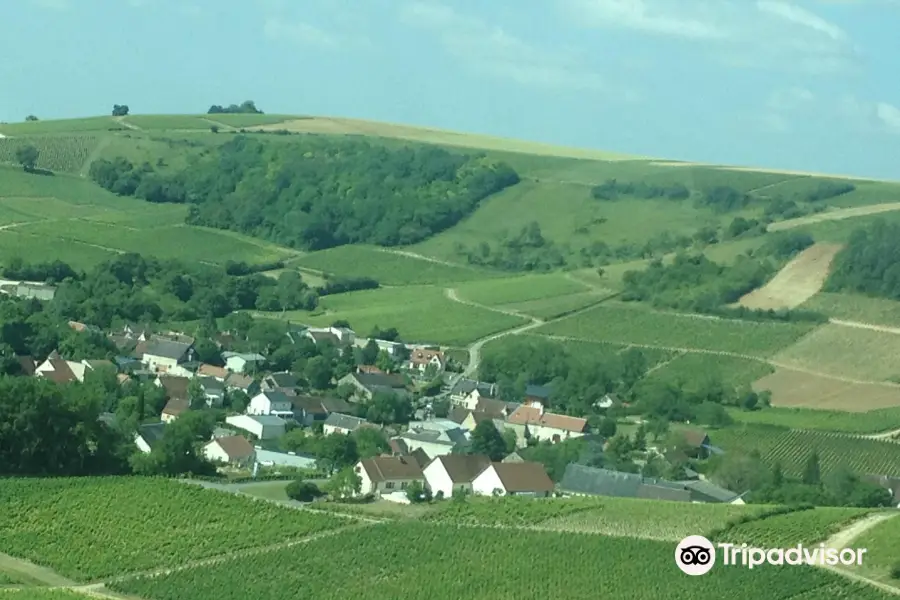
(337, 451)
(31, 118)
(812, 471)
(27, 156)
(606, 427)
(120, 110)
(196, 395)
(387, 408)
(740, 473)
(303, 491)
(319, 372)
(640, 437)
(510, 440)
(344, 485)
(384, 361)
(214, 128)
(369, 353)
(178, 451)
(370, 442)
(488, 441)
(416, 492)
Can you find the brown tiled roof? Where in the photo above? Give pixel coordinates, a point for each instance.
(423, 357)
(176, 406)
(212, 371)
(235, 446)
(530, 415)
(61, 372)
(523, 477)
(494, 407)
(370, 369)
(694, 437)
(27, 363)
(419, 456)
(78, 326)
(398, 446)
(239, 380)
(337, 405)
(176, 387)
(463, 468)
(387, 468)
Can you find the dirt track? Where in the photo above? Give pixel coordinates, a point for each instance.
(797, 282)
(835, 215)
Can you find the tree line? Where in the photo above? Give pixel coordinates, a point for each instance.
(868, 262)
(317, 192)
(248, 107)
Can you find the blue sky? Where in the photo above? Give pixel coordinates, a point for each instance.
(808, 84)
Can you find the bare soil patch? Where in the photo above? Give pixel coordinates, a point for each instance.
(803, 390)
(835, 215)
(797, 282)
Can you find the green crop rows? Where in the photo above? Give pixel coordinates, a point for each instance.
(64, 153)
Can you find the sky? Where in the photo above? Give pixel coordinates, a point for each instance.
(805, 84)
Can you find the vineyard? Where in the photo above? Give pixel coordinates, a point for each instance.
(511, 511)
(872, 421)
(97, 527)
(882, 544)
(64, 153)
(789, 529)
(420, 561)
(41, 594)
(792, 448)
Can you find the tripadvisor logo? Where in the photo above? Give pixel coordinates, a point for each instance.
(696, 555)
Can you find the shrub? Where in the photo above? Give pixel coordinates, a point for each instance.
(303, 491)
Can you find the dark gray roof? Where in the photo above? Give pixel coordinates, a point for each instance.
(707, 491)
(581, 479)
(375, 380)
(538, 391)
(344, 421)
(277, 396)
(152, 433)
(285, 380)
(211, 384)
(467, 386)
(166, 348)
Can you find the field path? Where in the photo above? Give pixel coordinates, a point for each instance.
(32, 572)
(845, 538)
(835, 215)
(220, 124)
(430, 259)
(121, 121)
(797, 282)
(869, 326)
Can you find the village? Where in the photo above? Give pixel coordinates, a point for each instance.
(438, 452)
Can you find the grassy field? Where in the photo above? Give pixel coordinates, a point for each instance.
(855, 307)
(418, 561)
(588, 350)
(268, 490)
(551, 308)
(850, 352)
(97, 527)
(167, 122)
(734, 372)
(874, 421)
(248, 120)
(386, 267)
(792, 448)
(884, 551)
(525, 288)
(59, 126)
(420, 313)
(625, 325)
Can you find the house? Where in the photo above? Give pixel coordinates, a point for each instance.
(238, 362)
(284, 382)
(174, 408)
(537, 394)
(165, 355)
(345, 424)
(434, 442)
(485, 409)
(447, 474)
(58, 370)
(243, 383)
(513, 457)
(607, 401)
(701, 490)
(39, 291)
(271, 403)
(467, 392)
(392, 348)
(137, 331)
(386, 474)
(696, 443)
(367, 385)
(371, 369)
(513, 479)
(337, 336)
(213, 391)
(232, 450)
(264, 427)
(269, 458)
(422, 358)
(581, 480)
(545, 426)
(83, 327)
(205, 370)
(399, 448)
(148, 435)
(175, 387)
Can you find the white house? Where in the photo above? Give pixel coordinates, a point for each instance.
(446, 474)
(148, 435)
(434, 442)
(271, 403)
(468, 392)
(166, 356)
(386, 474)
(345, 424)
(342, 336)
(422, 358)
(231, 450)
(535, 423)
(513, 479)
(392, 348)
(238, 362)
(264, 427)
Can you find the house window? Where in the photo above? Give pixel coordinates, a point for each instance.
(389, 485)
(403, 485)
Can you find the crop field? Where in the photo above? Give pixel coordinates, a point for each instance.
(551, 308)
(40, 249)
(419, 561)
(872, 421)
(73, 190)
(58, 126)
(598, 351)
(674, 331)
(248, 120)
(798, 281)
(167, 122)
(733, 372)
(786, 530)
(851, 352)
(64, 153)
(856, 307)
(91, 528)
(421, 314)
(519, 289)
(881, 542)
(795, 389)
(792, 448)
(388, 268)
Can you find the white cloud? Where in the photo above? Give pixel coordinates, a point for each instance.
(765, 33)
(889, 116)
(299, 32)
(492, 50)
